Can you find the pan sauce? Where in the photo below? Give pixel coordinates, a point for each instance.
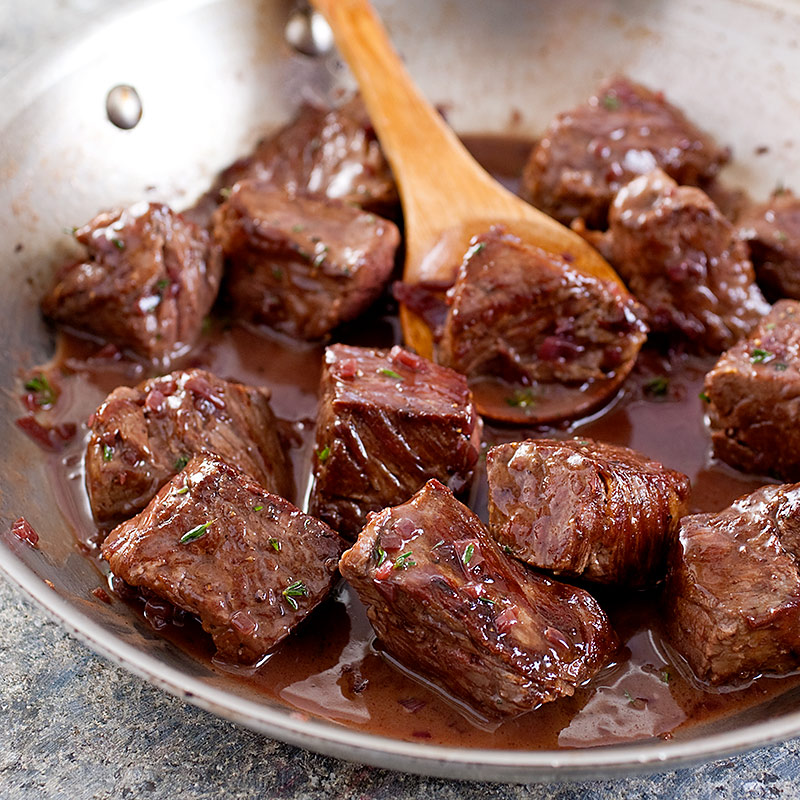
(331, 667)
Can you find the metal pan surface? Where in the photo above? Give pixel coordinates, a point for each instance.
(222, 75)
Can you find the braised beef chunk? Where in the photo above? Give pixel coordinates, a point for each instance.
(683, 260)
(302, 264)
(149, 279)
(587, 154)
(330, 152)
(772, 232)
(387, 422)
(215, 543)
(140, 437)
(733, 590)
(520, 313)
(752, 394)
(585, 509)
(446, 602)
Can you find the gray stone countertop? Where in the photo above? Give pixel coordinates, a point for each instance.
(78, 727)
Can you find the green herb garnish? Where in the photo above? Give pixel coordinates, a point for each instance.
(258, 508)
(42, 388)
(507, 550)
(323, 454)
(180, 463)
(184, 490)
(759, 356)
(225, 192)
(665, 676)
(298, 228)
(704, 397)
(781, 236)
(469, 551)
(276, 545)
(295, 589)
(522, 398)
(487, 600)
(108, 452)
(404, 560)
(438, 544)
(378, 554)
(658, 386)
(611, 102)
(781, 367)
(390, 373)
(195, 533)
(630, 698)
(118, 243)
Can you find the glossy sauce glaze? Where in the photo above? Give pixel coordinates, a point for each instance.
(331, 666)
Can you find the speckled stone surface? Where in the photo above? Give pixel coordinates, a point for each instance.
(78, 728)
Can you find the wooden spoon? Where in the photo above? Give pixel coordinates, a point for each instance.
(448, 198)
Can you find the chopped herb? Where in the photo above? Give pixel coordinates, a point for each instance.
(70, 231)
(438, 544)
(108, 452)
(295, 589)
(759, 356)
(298, 228)
(770, 326)
(162, 284)
(781, 236)
(665, 675)
(225, 192)
(611, 102)
(474, 250)
(184, 490)
(390, 373)
(487, 600)
(323, 454)
(276, 545)
(658, 386)
(42, 388)
(370, 218)
(469, 551)
(404, 560)
(522, 398)
(704, 397)
(379, 554)
(277, 273)
(258, 508)
(781, 367)
(507, 550)
(630, 698)
(180, 463)
(196, 532)
(118, 243)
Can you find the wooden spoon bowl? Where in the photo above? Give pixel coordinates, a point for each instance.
(448, 198)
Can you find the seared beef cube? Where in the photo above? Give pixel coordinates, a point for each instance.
(522, 314)
(752, 395)
(683, 260)
(387, 422)
(149, 279)
(587, 154)
(733, 590)
(772, 231)
(213, 542)
(446, 602)
(330, 152)
(585, 509)
(302, 264)
(140, 437)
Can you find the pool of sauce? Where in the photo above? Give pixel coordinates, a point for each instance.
(331, 667)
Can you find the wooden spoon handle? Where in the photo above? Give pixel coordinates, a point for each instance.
(421, 149)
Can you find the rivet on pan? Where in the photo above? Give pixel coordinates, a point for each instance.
(308, 32)
(123, 107)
